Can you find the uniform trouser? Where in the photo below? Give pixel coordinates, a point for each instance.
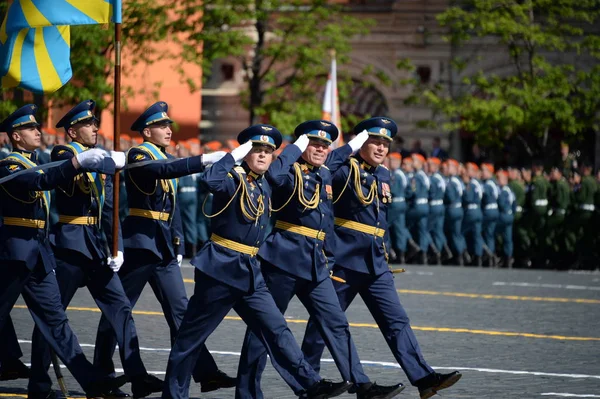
(106, 289)
(555, 241)
(399, 234)
(40, 292)
(417, 224)
(10, 350)
(535, 221)
(453, 224)
(471, 228)
(321, 301)
(188, 205)
(380, 296)
(488, 228)
(504, 229)
(209, 305)
(167, 283)
(436, 226)
(521, 238)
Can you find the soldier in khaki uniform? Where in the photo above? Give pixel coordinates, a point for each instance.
(559, 200)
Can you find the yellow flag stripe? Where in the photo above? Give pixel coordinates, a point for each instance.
(13, 77)
(98, 10)
(49, 78)
(65, 32)
(33, 16)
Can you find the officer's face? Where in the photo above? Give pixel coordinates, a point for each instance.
(259, 158)
(394, 163)
(486, 174)
(502, 178)
(316, 152)
(407, 165)
(85, 133)
(27, 138)
(375, 150)
(452, 169)
(159, 134)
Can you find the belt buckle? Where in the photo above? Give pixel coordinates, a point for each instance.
(376, 232)
(254, 251)
(160, 215)
(90, 220)
(321, 235)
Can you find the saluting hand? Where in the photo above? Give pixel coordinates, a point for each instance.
(302, 142)
(359, 140)
(239, 153)
(209, 159)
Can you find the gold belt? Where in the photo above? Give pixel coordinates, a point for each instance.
(361, 227)
(305, 231)
(83, 220)
(233, 245)
(148, 214)
(33, 223)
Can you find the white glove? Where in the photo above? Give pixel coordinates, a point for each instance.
(358, 141)
(302, 142)
(91, 158)
(179, 260)
(116, 262)
(209, 159)
(119, 158)
(239, 153)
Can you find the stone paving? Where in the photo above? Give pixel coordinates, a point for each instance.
(514, 333)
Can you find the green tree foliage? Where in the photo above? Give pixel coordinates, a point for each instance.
(551, 85)
(283, 47)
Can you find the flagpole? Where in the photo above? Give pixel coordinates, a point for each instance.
(116, 136)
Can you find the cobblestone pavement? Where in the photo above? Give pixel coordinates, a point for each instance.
(513, 333)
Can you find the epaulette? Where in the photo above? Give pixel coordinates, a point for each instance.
(239, 169)
(382, 165)
(60, 149)
(325, 166)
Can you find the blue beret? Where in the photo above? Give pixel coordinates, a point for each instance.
(261, 134)
(24, 116)
(378, 126)
(156, 113)
(79, 113)
(319, 129)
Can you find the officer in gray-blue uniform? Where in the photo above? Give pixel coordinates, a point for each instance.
(418, 212)
(507, 206)
(228, 274)
(489, 207)
(26, 260)
(80, 242)
(471, 227)
(360, 251)
(152, 237)
(400, 236)
(437, 210)
(454, 214)
(187, 196)
(302, 199)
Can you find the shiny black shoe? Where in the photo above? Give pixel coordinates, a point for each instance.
(13, 370)
(374, 391)
(41, 395)
(145, 385)
(216, 381)
(115, 393)
(326, 389)
(435, 382)
(100, 388)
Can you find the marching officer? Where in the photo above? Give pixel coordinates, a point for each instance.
(228, 274)
(537, 210)
(361, 197)
(81, 251)
(26, 260)
(506, 212)
(559, 201)
(454, 214)
(581, 230)
(520, 236)
(187, 196)
(152, 237)
(489, 206)
(402, 241)
(437, 210)
(471, 227)
(302, 199)
(418, 212)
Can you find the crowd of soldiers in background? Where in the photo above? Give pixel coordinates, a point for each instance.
(443, 211)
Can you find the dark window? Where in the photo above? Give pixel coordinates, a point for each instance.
(227, 71)
(424, 74)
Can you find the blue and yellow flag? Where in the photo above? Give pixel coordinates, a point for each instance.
(35, 39)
